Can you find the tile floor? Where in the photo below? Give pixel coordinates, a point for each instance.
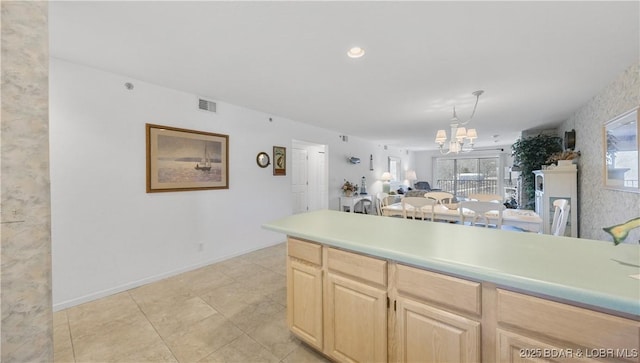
(232, 311)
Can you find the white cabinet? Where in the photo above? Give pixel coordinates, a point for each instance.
(347, 204)
(557, 184)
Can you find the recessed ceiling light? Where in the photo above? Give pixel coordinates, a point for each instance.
(355, 52)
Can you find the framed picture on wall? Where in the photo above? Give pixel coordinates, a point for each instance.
(182, 160)
(279, 160)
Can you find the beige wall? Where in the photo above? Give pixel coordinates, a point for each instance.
(600, 207)
(25, 231)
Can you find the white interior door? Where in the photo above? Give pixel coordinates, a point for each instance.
(299, 180)
(309, 177)
(317, 179)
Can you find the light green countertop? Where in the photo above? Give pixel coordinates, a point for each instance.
(586, 272)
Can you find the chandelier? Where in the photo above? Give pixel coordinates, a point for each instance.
(459, 132)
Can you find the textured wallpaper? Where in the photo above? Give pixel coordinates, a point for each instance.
(599, 207)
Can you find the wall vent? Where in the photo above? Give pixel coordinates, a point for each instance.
(206, 105)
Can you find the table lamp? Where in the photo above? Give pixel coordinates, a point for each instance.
(386, 177)
(411, 177)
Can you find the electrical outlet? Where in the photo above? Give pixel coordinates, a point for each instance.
(200, 246)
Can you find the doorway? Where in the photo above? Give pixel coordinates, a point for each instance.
(309, 182)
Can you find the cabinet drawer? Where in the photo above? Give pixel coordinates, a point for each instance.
(447, 291)
(513, 347)
(568, 323)
(306, 251)
(362, 267)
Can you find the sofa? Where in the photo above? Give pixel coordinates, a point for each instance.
(423, 185)
(420, 189)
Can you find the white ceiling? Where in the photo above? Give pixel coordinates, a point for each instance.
(538, 62)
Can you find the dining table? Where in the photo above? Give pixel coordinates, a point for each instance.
(525, 219)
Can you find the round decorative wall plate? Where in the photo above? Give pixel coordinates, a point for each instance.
(263, 159)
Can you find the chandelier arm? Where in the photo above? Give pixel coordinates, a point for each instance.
(474, 109)
(442, 152)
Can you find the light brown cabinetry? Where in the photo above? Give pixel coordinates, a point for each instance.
(337, 301)
(304, 291)
(428, 334)
(531, 327)
(516, 348)
(357, 308)
(355, 321)
(437, 317)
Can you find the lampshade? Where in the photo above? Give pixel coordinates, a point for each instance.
(461, 133)
(386, 176)
(411, 175)
(441, 136)
(472, 134)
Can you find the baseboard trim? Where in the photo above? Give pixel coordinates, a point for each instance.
(131, 285)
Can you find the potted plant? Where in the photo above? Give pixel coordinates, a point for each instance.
(530, 154)
(348, 188)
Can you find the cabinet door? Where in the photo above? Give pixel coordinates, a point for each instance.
(304, 301)
(515, 348)
(569, 327)
(428, 334)
(355, 321)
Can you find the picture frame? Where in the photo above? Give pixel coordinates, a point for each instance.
(185, 160)
(621, 143)
(279, 160)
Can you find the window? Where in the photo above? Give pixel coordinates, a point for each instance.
(394, 168)
(465, 176)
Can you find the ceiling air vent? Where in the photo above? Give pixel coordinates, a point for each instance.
(206, 105)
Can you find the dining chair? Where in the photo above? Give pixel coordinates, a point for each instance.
(486, 197)
(560, 216)
(382, 200)
(419, 205)
(440, 197)
(480, 210)
(388, 200)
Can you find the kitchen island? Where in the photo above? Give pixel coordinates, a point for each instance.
(368, 288)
